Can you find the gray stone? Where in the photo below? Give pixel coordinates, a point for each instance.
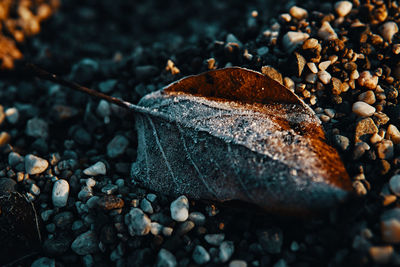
(238, 263)
(99, 168)
(44, 262)
(214, 239)
(117, 146)
(180, 209)
(107, 86)
(37, 128)
(63, 219)
(138, 223)
(165, 259)
(394, 184)
(342, 142)
(14, 159)
(200, 255)
(34, 189)
(34, 164)
(82, 137)
(146, 206)
(60, 193)
(12, 115)
(226, 250)
(85, 244)
(109, 189)
(197, 217)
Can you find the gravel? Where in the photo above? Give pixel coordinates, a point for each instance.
(341, 58)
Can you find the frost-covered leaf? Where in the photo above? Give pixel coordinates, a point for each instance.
(235, 134)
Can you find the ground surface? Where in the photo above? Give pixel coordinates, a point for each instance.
(123, 49)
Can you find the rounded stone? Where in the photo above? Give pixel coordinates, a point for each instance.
(363, 109)
(34, 164)
(180, 209)
(60, 193)
(85, 243)
(343, 8)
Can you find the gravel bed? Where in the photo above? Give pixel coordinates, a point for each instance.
(71, 154)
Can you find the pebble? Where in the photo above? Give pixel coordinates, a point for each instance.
(342, 142)
(34, 164)
(324, 76)
(364, 129)
(104, 110)
(231, 38)
(343, 8)
(200, 255)
(238, 263)
(60, 193)
(151, 197)
(12, 115)
(138, 223)
(14, 159)
(326, 32)
(110, 202)
(272, 73)
(165, 259)
(107, 86)
(298, 12)
(360, 149)
(185, 228)
(367, 80)
(37, 128)
(226, 250)
(311, 43)
(146, 206)
(313, 68)
(117, 146)
(4, 138)
(324, 65)
(390, 226)
(92, 202)
(44, 262)
(384, 149)
(393, 134)
(381, 254)
(394, 184)
(367, 97)
(389, 29)
(109, 189)
(156, 228)
(262, 51)
(363, 109)
(180, 209)
(214, 239)
(82, 137)
(291, 39)
(97, 169)
(85, 243)
(197, 217)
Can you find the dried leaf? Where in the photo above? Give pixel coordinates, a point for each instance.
(235, 134)
(232, 134)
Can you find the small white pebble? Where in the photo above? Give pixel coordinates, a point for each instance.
(291, 39)
(354, 75)
(324, 76)
(389, 29)
(12, 115)
(393, 134)
(286, 17)
(97, 169)
(180, 209)
(60, 193)
(367, 80)
(363, 109)
(324, 65)
(312, 67)
(367, 97)
(326, 32)
(298, 12)
(330, 112)
(343, 8)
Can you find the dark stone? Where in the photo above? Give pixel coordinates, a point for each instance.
(108, 234)
(145, 72)
(140, 257)
(57, 245)
(82, 137)
(271, 240)
(63, 219)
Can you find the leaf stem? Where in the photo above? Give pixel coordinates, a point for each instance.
(43, 74)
